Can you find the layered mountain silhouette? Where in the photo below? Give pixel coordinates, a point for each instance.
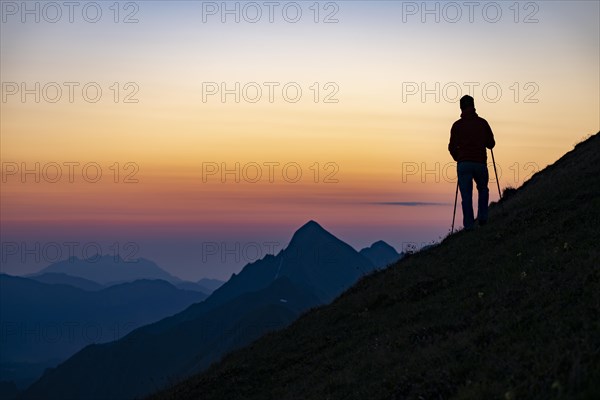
(510, 310)
(204, 285)
(44, 323)
(210, 284)
(64, 279)
(100, 272)
(265, 296)
(107, 269)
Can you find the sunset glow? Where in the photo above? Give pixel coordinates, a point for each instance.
(363, 150)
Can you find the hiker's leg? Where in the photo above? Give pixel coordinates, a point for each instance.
(465, 184)
(482, 178)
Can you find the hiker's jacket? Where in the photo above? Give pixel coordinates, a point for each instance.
(469, 137)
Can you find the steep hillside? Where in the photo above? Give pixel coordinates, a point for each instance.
(507, 311)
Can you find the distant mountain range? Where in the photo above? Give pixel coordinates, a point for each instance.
(56, 278)
(203, 285)
(210, 284)
(44, 322)
(99, 272)
(42, 325)
(266, 295)
(107, 269)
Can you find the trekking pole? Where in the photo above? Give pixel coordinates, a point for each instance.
(496, 172)
(454, 213)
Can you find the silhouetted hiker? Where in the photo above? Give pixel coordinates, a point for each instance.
(469, 138)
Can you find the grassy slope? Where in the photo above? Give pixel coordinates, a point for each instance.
(511, 310)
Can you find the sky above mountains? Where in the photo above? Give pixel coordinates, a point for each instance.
(156, 158)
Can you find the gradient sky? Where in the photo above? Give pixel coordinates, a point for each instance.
(370, 148)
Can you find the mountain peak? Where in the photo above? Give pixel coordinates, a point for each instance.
(381, 244)
(311, 225)
(381, 254)
(310, 232)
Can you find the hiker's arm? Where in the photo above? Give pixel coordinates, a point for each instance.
(452, 147)
(490, 142)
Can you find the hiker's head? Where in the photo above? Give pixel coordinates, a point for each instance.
(467, 102)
